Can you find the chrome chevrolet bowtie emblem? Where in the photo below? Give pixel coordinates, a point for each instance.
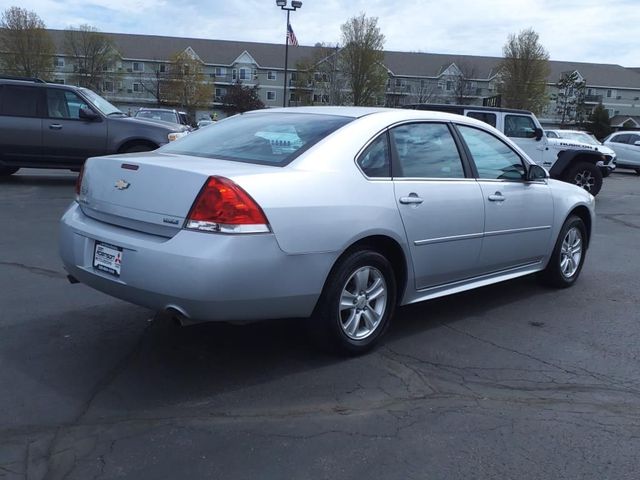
(122, 185)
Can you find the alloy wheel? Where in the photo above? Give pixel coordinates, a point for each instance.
(585, 179)
(363, 303)
(571, 252)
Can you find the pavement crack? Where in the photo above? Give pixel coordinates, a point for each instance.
(102, 385)
(35, 270)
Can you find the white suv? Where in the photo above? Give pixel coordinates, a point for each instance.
(570, 162)
(585, 140)
(627, 148)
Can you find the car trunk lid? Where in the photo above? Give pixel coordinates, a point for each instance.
(151, 193)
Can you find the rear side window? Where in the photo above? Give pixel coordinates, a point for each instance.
(633, 139)
(19, 101)
(426, 150)
(375, 160)
(519, 126)
(493, 158)
(485, 117)
(261, 138)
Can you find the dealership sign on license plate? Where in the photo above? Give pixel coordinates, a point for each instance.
(107, 258)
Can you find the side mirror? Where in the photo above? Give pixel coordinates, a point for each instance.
(88, 114)
(539, 133)
(637, 144)
(536, 173)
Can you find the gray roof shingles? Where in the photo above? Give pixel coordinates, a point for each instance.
(268, 55)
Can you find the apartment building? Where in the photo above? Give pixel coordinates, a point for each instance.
(413, 77)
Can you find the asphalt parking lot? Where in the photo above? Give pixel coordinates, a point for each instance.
(510, 381)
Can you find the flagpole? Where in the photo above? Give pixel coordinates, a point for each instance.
(286, 61)
(295, 4)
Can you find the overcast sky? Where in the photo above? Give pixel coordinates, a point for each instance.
(585, 30)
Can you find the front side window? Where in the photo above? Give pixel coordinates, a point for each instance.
(262, 138)
(624, 138)
(519, 126)
(494, 159)
(19, 101)
(375, 159)
(426, 150)
(64, 104)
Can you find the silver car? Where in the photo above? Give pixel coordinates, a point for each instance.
(627, 148)
(339, 214)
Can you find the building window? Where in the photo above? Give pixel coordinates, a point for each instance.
(107, 86)
(449, 85)
(271, 75)
(320, 98)
(137, 87)
(220, 71)
(162, 68)
(58, 62)
(612, 93)
(244, 74)
(138, 67)
(219, 92)
(234, 74)
(271, 95)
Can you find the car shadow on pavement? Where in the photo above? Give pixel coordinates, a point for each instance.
(120, 359)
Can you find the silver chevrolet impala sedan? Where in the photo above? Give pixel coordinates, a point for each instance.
(336, 214)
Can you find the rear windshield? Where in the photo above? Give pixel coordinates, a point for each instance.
(262, 138)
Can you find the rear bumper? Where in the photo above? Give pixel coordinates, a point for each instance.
(202, 276)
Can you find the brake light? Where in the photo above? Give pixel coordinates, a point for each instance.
(79, 181)
(222, 206)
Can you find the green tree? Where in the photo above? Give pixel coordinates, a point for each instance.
(524, 72)
(27, 49)
(570, 98)
(319, 74)
(185, 85)
(599, 122)
(361, 59)
(93, 55)
(241, 98)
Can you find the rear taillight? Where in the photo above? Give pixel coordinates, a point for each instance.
(79, 181)
(222, 206)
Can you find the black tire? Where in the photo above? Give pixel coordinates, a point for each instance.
(138, 147)
(585, 175)
(6, 171)
(553, 275)
(330, 325)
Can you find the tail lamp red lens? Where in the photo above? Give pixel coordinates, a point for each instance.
(223, 206)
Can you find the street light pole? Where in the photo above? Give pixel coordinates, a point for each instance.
(294, 6)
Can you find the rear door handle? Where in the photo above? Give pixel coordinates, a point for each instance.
(496, 197)
(411, 199)
(55, 126)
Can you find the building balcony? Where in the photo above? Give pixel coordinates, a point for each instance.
(592, 98)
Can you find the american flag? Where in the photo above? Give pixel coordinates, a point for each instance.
(291, 37)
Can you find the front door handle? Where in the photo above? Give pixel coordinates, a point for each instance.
(496, 197)
(55, 126)
(412, 199)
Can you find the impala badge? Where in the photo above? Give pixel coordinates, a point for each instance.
(122, 185)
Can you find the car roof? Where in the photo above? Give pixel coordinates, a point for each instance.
(359, 112)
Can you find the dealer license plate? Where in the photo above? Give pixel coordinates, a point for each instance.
(107, 258)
